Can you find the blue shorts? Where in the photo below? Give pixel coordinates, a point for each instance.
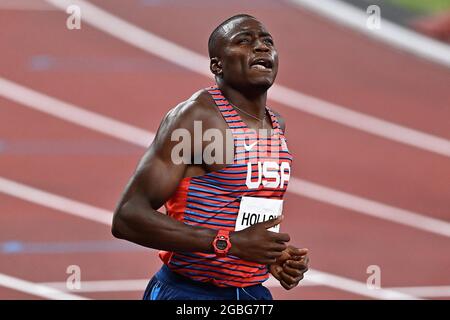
(168, 285)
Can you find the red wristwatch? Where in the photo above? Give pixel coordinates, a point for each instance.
(222, 243)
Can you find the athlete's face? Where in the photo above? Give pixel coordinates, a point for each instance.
(248, 55)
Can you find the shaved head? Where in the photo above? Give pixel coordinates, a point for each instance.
(221, 30)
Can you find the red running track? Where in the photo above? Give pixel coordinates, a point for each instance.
(91, 69)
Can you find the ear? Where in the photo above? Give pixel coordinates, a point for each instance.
(215, 65)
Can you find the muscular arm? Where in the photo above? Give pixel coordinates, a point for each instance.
(156, 178)
(280, 121)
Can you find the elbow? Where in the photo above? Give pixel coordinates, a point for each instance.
(119, 223)
(115, 231)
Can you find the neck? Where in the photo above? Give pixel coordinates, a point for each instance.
(253, 102)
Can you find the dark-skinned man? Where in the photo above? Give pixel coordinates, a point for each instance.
(219, 238)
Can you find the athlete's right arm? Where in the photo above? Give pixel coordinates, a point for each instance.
(156, 178)
(154, 181)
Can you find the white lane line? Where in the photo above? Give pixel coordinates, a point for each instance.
(54, 201)
(40, 5)
(368, 207)
(140, 137)
(319, 279)
(74, 114)
(389, 33)
(36, 289)
(315, 278)
(141, 284)
(426, 292)
(102, 285)
(197, 63)
(356, 287)
(361, 121)
(100, 215)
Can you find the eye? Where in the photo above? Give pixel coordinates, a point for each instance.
(244, 40)
(268, 41)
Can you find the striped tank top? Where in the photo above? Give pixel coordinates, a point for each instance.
(212, 200)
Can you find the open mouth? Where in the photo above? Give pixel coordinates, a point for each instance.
(261, 64)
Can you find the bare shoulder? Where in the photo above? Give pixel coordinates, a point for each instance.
(199, 107)
(280, 120)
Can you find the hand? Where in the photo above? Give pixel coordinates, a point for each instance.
(258, 244)
(290, 267)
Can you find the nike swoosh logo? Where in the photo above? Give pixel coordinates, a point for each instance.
(249, 147)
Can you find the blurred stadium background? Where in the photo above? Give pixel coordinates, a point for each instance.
(368, 121)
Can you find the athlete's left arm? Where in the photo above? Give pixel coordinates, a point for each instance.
(280, 121)
(292, 265)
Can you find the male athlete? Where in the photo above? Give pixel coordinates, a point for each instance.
(214, 239)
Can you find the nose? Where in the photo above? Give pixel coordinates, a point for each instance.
(260, 46)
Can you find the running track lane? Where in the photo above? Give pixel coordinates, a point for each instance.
(364, 166)
(95, 171)
(108, 104)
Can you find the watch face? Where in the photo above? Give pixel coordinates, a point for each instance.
(221, 244)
